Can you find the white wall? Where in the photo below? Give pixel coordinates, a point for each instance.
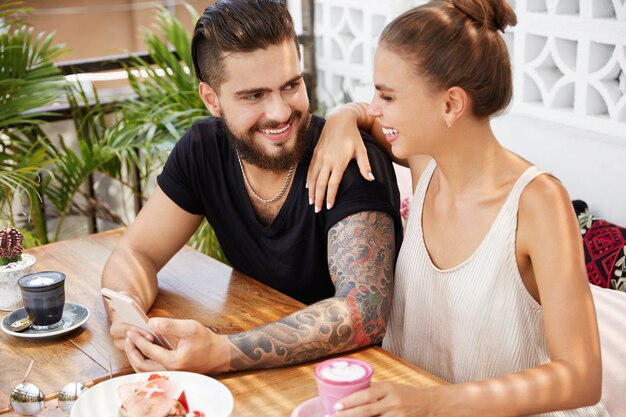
(591, 166)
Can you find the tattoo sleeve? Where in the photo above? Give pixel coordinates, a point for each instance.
(361, 259)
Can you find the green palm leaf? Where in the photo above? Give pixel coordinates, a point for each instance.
(28, 78)
(167, 105)
(23, 158)
(10, 12)
(96, 152)
(28, 81)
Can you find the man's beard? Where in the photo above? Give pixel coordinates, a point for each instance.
(254, 154)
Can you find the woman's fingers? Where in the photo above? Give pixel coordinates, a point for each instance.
(320, 188)
(359, 398)
(364, 163)
(311, 179)
(326, 176)
(333, 187)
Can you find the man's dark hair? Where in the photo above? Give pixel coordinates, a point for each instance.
(230, 26)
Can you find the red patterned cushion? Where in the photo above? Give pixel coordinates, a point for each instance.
(605, 249)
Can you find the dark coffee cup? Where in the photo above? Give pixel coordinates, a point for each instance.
(43, 294)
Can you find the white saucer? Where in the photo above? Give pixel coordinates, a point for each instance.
(310, 408)
(74, 316)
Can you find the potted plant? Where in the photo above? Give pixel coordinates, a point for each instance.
(13, 265)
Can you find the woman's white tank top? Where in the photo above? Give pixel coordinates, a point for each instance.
(477, 320)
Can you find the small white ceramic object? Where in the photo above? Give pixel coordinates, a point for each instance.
(10, 295)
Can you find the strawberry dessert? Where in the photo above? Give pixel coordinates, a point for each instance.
(155, 397)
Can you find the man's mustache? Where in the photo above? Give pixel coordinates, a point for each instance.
(273, 124)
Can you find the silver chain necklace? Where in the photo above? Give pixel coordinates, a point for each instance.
(280, 193)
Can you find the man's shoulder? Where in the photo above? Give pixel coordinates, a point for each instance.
(209, 127)
(204, 134)
(204, 143)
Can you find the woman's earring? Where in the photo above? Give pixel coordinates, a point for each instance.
(448, 123)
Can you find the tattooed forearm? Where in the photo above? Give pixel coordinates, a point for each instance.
(305, 335)
(361, 255)
(361, 266)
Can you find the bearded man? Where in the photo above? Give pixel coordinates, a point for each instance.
(244, 169)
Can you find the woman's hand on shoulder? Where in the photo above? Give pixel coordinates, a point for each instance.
(338, 144)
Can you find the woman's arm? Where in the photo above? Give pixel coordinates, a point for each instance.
(339, 143)
(548, 233)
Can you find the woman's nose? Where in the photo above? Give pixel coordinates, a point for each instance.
(373, 109)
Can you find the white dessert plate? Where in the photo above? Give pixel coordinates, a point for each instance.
(203, 393)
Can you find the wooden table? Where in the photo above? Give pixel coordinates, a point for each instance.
(191, 285)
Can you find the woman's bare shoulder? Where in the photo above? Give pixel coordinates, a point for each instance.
(545, 193)
(545, 209)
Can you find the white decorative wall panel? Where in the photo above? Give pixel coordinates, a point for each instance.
(569, 57)
(346, 35)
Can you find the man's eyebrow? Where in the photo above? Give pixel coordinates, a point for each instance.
(293, 80)
(252, 91)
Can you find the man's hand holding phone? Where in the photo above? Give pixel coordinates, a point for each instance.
(198, 348)
(127, 315)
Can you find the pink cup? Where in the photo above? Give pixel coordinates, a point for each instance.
(340, 377)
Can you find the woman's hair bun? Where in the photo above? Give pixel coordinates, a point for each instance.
(495, 14)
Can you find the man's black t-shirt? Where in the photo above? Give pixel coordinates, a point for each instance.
(202, 176)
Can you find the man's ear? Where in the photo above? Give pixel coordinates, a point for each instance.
(457, 102)
(210, 99)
